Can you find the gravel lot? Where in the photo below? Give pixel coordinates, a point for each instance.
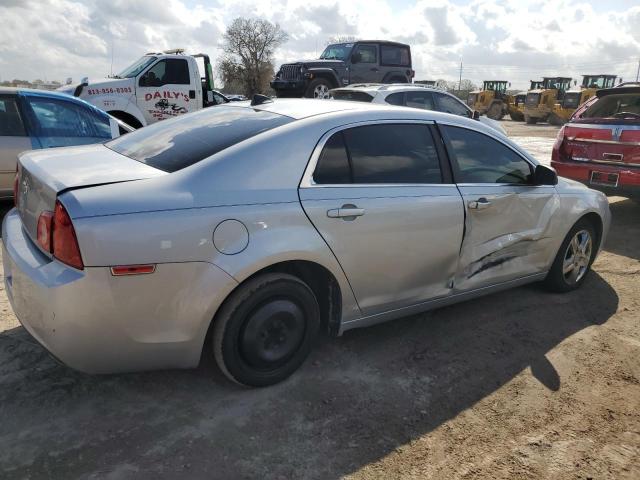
(522, 384)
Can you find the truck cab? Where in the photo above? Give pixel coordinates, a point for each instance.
(155, 87)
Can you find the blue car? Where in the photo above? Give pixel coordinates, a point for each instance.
(33, 119)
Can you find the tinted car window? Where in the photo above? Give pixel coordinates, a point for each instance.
(367, 53)
(395, 56)
(616, 105)
(174, 71)
(352, 95)
(423, 100)
(333, 164)
(448, 104)
(393, 153)
(58, 118)
(395, 99)
(10, 120)
(174, 144)
(481, 159)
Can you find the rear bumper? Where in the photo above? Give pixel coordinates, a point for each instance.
(97, 323)
(628, 178)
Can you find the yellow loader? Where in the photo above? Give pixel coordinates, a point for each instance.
(540, 102)
(492, 100)
(575, 97)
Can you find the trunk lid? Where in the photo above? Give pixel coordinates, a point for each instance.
(603, 142)
(44, 174)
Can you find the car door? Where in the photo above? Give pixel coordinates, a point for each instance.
(383, 201)
(57, 122)
(508, 219)
(365, 66)
(165, 90)
(13, 140)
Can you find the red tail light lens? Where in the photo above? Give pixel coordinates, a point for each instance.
(556, 153)
(45, 223)
(64, 242)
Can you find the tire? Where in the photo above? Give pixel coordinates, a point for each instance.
(495, 111)
(516, 116)
(568, 270)
(265, 329)
(398, 80)
(530, 120)
(318, 88)
(555, 120)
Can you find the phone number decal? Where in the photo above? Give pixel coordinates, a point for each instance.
(102, 91)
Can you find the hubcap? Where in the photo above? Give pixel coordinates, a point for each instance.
(272, 334)
(321, 91)
(577, 257)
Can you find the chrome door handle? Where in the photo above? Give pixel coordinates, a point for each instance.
(479, 204)
(346, 212)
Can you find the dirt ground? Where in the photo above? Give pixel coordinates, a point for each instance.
(522, 384)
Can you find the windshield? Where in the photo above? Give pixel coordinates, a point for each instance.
(339, 51)
(137, 67)
(182, 141)
(625, 105)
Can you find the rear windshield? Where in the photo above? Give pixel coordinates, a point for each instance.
(625, 105)
(351, 95)
(171, 145)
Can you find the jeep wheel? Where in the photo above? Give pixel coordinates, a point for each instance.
(495, 111)
(530, 120)
(318, 88)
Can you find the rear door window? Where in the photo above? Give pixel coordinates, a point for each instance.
(478, 158)
(380, 154)
(395, 56)
(57, 118)
(395, 99)
(174, 144)
(10, 119)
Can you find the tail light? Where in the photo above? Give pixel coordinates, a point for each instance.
(558, 154)
(16, 182)
(57, 236)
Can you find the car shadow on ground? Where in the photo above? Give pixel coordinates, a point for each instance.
(357, 399)
(625, 233)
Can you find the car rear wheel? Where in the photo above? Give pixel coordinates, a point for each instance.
(318, 88)
(573, 260)
(265, 330)
(530, 120)
(495, 112)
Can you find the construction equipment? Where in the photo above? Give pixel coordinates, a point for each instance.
(516, 102)
(492, 100)
(575, 97)
(540, 102)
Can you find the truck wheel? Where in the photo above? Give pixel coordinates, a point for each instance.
(495, 111)
(555, 120)
(265, 329)
(516, 116)
(318, 88)
(398, 80)
(530, 120)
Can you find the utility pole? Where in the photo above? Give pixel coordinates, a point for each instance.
(460, 80)
(638, 72)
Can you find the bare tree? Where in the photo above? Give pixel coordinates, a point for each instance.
(249, 45)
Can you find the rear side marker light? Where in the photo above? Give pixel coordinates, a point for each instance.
(122, 270)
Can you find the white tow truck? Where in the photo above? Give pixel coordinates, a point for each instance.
(155, 87)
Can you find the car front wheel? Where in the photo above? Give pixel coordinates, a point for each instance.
(265, 330)
(573, 260)
(318, 88)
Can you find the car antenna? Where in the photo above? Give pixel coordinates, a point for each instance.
(260, 99)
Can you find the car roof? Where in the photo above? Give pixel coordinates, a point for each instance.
(389, 87)
(301, 108)
(33, 92)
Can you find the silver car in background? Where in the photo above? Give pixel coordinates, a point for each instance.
(243, 230)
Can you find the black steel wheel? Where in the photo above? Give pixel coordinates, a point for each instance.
(265, 330)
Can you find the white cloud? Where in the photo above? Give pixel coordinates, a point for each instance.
(511, 39)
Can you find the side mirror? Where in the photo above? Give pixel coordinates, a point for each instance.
(544, 175)
(475, 115)
(356, 57)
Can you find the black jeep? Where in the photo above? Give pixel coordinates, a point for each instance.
(342, 64)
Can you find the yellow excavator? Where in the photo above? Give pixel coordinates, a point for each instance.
(492, 100)
(540, 102)
(516, 103)
(575, 97)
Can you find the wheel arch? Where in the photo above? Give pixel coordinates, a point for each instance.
(596, 220)
(127, 118)
(327, 74)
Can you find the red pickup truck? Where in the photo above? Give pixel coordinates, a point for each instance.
(600, 145)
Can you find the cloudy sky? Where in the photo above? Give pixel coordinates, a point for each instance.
(505, 39)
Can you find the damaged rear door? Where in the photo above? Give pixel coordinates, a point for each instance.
(507, 218)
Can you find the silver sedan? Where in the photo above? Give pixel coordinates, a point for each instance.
(242, 231)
